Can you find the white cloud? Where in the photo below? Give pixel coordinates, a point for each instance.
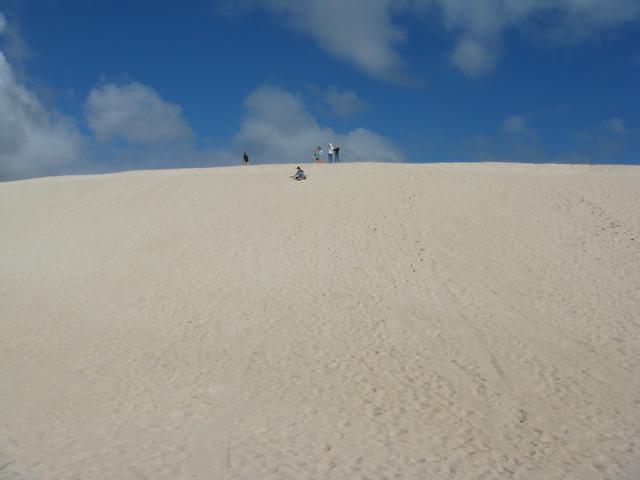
(473, 58)
(368, 32)
(516, 125)
(344, 104)
(616, 125)
(136, 113)
(481, 24)
(363, 145)
(33, 141)
(278, 128)
(12, 43)
(581, 18)
(361, 32)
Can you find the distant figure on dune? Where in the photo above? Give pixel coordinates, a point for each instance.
(245, 158)
(336, 152)
(299, 175)
(317, 154)
(330, 153)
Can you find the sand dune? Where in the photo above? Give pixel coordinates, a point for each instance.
(467, 321)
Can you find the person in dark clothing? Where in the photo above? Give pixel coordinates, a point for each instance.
(336, 153)
(245, 158)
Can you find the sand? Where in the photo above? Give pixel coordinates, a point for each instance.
(460, 321)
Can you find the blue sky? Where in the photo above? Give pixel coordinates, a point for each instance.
(89, 86)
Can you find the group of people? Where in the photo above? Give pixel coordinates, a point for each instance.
(333, 153)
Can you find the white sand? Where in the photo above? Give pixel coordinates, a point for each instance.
(376, 321)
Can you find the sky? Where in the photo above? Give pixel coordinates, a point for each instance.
(88, 86)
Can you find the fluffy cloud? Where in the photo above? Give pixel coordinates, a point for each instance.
(12, 43)
(482, 22)
(136, 113)
(368, 32)
(33, 141)
(361, 32)
(473, 58)
(344, 104)
(278, 128)
(516, 125)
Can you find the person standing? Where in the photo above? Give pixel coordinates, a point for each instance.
(330, 153)
(336, 153)
(245, 158)
(317, 154)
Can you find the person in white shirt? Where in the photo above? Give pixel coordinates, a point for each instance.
(330, 153)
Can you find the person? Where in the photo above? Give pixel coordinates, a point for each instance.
(336, 152)
(317, 155)
(330, 152)
(299, 175)
(245, 158)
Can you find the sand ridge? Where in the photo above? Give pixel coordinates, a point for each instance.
(458, 321)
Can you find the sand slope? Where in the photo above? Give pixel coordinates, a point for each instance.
(376, 321)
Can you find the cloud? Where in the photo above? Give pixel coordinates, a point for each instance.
(135, 113)
(516, 125)
(33, 140)
(579, 20)
(277, 128)
(12, 43)
(616, 125)
(473, 58)
(363, 145)
(609, 142)
(367, 33)
(482, 23)
(344, 104)
(361, 32)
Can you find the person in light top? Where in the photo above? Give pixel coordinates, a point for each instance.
(299, 175)
(330, 153)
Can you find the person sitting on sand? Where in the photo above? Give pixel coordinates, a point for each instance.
(299, 174)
